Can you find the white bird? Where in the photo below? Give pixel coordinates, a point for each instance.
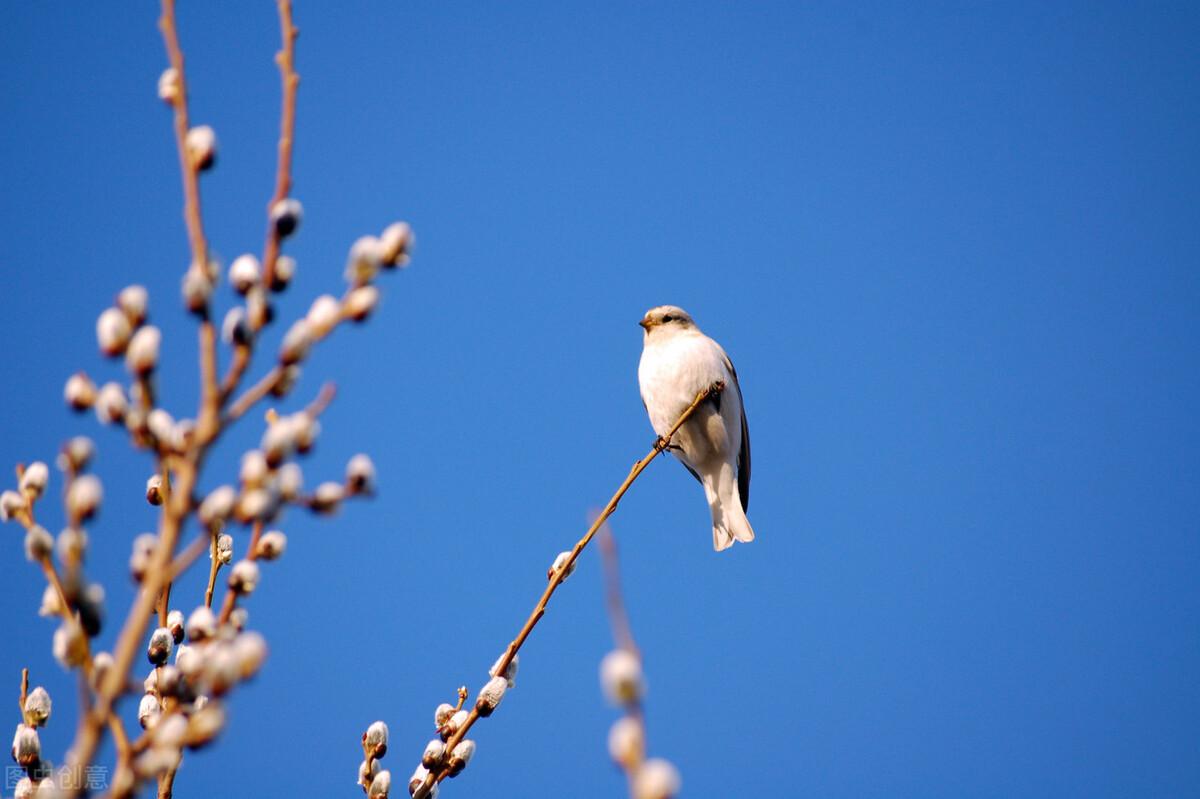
(678, 362)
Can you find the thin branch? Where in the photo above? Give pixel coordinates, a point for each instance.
(213, 568)
(623, 635)
(24, 691)
(230, 595)
(290, 81)
(559, 575)
(253, 394)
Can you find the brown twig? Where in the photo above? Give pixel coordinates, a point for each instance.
(251, 554)
(24, 691)
(213, 568)
(290, 81)
(623, 635)
(559, 575)
(253, 394)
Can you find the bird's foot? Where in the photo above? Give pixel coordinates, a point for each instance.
(716, 388)
(662, 444)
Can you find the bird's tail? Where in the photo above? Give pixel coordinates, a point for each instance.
(728, 517)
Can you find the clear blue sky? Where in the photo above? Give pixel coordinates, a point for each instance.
(953, 249)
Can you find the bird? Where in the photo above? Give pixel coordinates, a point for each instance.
(678, 362)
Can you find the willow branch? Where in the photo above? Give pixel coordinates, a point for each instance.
(289, 81)
(560, 574)
(623, 635)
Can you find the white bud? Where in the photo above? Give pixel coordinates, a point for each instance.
(133, 301)
(621, 677)
(76, 454)
(460, 756)
(510, 673)
(278, 440)
(148, 711)
(418, 779)
(113, 332)
(285, 270)
(235, 329)
(250, 650)
(171, 731)
(560, 561)
(39, 544)
(51, 606)
(254, 469)
(366, 256)
(244, 577)
(361, 302)
(34, 479)
(306, 430)
(626, 742)
(169, 85)
(224, 549)
(360, 475)
(154, 493)
(490, 695)
(205, 723)
(72, 544)
(24, 789)
(381, 785)
(201, 625)
(37, 706)
(457, 720)
(111, 403)
(217, 506)
(244, 273)
(367, 773)
(197, 289)
(323, 315)
(271, 545)
(190, 660)
(222, 669)
(70, 646)
(396, 243)
(201, 143)
(376, 739)
(175, 624)
(434, 754)
(11, 503)
(442, 714)
(159, 649)
(142, 355)
(143, 551)
(84, 496)
(296, 343)
(290, 481)
(161, 425)
(26, 746)
(327, 497)
(80, 391)
(286, 216)
(656, 779)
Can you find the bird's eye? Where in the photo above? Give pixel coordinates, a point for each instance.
(668, 318)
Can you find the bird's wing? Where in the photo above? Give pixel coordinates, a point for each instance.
(744, 453)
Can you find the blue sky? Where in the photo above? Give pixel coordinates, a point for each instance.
(953, 250)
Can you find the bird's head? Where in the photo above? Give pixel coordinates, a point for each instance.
(666, 318)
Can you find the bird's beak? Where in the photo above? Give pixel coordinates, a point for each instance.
(645, 323)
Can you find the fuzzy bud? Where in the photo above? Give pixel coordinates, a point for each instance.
(250, 650)
(656, 779)
(24, 789)
(366, 256)
(197, 289)
(161, 425)
(111, 404)
(434, 755)
(51, 605)
(323, 315)
(442, 714)
(361, 302)
(34, 479)
(460, 756)
(296, 343)
(271, 545)
(360, 475)
(244, 273)
(490, 695)
(76, 454)
(113, 332)
(169, 85)
(418, 779)
(26, 747)
(84, 496)
(224, 549)
(235, 330)
(72, 544)
(175, 624)
(367, 773)
(11, 503)
(510, 673)
(375, 739)
(148, 711)
(257, 504)
(217, 506)
(201, 144)
(244, 577)
(37, 707)
(396, 243)
(286, 216)
(154, 493)
(559, 562)
(626, 742)
(204, 724)
(201, 625)
(621, 677)
(238, 618)
(133, 302)
(141, 357)
(143, 551)
(290, 481)
(285, 270)
(39, 544)
(80, 391)
(254, 470)
(70, 646)
(381, 785)
(171, 731)
(159, 649)
(327, 497)
(454, 723)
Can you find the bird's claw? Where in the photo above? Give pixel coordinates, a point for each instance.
(662, 444)
(716, 388)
